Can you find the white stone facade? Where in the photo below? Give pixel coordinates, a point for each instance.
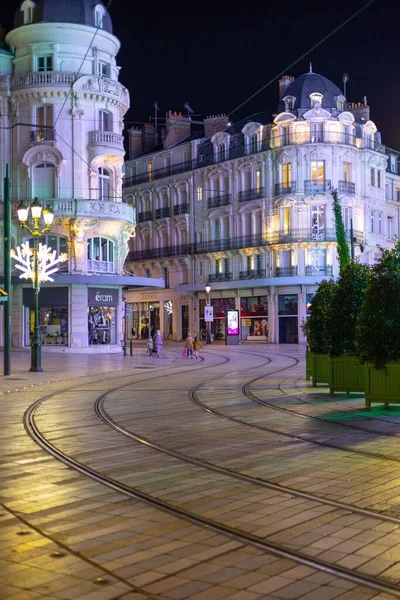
(249, 210)
(62, 110)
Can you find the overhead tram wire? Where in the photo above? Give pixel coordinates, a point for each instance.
(286, 69)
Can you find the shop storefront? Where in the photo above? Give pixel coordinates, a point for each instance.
(220, 306)
(145, 317)
(53, 316)
(254, 318)
(102, 318)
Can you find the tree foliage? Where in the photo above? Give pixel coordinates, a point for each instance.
(342, 246)
(316, 328)
(345, 308)
(378, 329)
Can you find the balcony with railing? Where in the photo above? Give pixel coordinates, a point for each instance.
(347, 187)
(181, 209)
(106, 138)
(308, 136)
(252, 274)
(283, 189)
(160, 213)
(326, 270)
(220, 200)
(43, 134)
(214, 277)
(286, 271)
(146, 215)
(313, 234)
(245, 241)
(100, 266)
(45, 78)
(182, 167)
(253, 194)
(317, 187)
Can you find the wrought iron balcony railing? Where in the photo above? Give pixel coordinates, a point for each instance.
(220, 277)
(316, 187)
(327, 270)
(252, 274)
(347, 187)
(306, 136)
(281, 189)
(253, 194)
(162, 212)
(286, 271)
(221, 200)
(43, 134)
(313, 234)
(145, 216)
(181, 209)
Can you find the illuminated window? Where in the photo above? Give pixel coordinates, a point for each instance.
(199, 193)
(286, 219)
(100, 254)
(104, 184)
(347, 172)
(316, 133)
(150, 171)
(287, 175)
(258, 181)
(318, 172)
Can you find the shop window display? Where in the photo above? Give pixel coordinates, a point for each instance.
(101, 325)
(254, 315)
(53, 325)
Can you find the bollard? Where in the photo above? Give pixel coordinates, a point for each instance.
(131, 347)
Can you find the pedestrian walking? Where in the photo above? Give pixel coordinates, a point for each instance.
(150, 346)
(189, 345)
(197, 346)
(158, 341)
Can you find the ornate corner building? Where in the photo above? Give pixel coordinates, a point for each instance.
(62, 110)
(247, 208)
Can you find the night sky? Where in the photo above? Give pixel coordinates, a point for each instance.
(214, 56)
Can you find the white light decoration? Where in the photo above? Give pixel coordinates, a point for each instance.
(168, 307)
(47, 262)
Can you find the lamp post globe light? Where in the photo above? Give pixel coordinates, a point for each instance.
(48, 217)
(208, 290)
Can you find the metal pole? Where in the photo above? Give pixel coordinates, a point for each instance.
(36, 351)
(125, 331)
(208, 323)
(351, 240)
(7, 275)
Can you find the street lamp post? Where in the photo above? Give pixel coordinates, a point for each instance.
(48, 217)
(208, 290)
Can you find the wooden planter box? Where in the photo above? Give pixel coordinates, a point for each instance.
(346, 375)
(382, 386)
(320, 368)
(308, 365)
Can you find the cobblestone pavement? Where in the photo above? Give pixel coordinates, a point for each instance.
(239, 410)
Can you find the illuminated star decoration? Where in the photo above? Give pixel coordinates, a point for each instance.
(168, 306)
(48, 263)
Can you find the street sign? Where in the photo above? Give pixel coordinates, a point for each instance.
(209, 314)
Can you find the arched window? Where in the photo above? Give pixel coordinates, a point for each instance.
(104, 184)
(99, 13)
(44, 181)
(100, 254)
(27, 8)
(316, 98)
(59, 243)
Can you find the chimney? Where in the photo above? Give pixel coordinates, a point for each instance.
(360, 110)
(135, 142)
(215, 123)
(178, 128)
(149, 137)
(284, 82)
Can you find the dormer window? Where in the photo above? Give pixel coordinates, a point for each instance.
(315, 98)
(289, 103)
(99, 13)
(27, 8)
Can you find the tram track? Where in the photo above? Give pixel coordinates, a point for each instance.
(375, 583)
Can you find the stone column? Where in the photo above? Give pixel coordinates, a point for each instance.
(78, 316)
(17, 318)
(273, 318)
